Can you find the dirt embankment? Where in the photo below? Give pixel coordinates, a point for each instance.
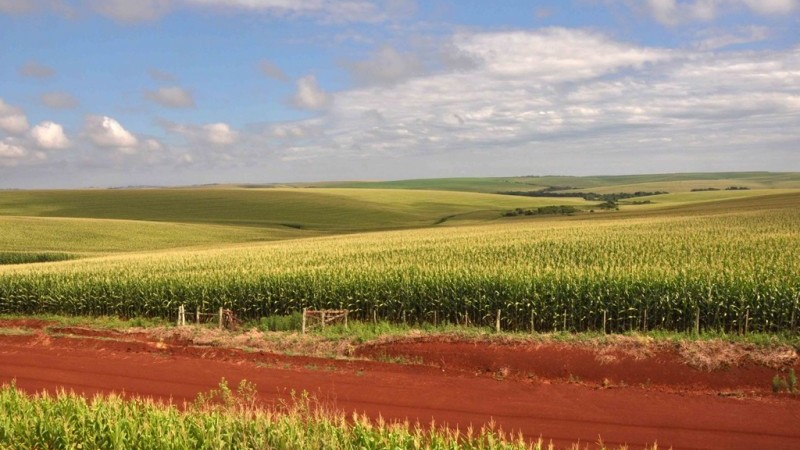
(561, 392)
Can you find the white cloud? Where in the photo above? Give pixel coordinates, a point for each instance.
(675, 12)
(772, 6)
(566, 98)
(104, 131)
(171, 97)
(49, 136)
(12, 119)
(386, 66)
(554, 54)
(334, 11)
(132, 11)
(721, 39)
(152, 145)
(219, 134)
(309, 95)
(59, 100)
(11, 151)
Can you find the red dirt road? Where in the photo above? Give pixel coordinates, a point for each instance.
(560, 411)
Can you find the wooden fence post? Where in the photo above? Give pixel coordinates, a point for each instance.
(697, 321)
(220, 317)
(345, 319)
(604, 322)
(497, 323)
(197, 316)
(323, 319)
(304, 320)
(746, 319)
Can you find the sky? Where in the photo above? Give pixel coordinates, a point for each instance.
(98, 93)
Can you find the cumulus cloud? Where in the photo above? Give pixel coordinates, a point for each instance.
(49, 136)
(271, 70)
(309, 95)
(554, 54)
(171, 97)
(386, 66)
(216, 134)
(549, 98)
(10, 151)
(12, 119)
(219, 134)
(59, 100)
(106, 132)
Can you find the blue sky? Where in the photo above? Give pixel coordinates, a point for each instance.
(173, 92)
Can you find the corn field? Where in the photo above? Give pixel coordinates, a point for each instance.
(69, 421)
(732, 272)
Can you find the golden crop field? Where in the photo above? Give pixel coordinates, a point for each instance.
(731, 267)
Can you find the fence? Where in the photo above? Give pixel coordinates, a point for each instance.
(225, 318)
(321, 318)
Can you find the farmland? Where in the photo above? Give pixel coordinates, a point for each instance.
(700, 260)
(438, 255)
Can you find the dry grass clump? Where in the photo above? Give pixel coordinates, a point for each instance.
(254, 339)
(611, 349)
(717, 354)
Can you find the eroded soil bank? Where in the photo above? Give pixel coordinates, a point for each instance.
(631, 393)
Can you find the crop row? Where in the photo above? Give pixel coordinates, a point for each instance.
(733, 272)
(69, 421)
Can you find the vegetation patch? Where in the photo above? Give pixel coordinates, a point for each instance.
(28, 258)
(563, 210)
(219, 419)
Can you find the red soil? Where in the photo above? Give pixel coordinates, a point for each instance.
(24, 323)
(451, 394)
(664, 369)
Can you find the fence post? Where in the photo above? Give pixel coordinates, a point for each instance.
(497, 323)
(533, 324)
(645, 320)
(604, 322)
(697, 321)
(323, 319)
(220, 317)
(179, 315)
(746, 319)
(197, 316)
(345, 319)
(304, 321)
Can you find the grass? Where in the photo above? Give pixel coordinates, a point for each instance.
(100, 322)
(87, 237)
(332, 210)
